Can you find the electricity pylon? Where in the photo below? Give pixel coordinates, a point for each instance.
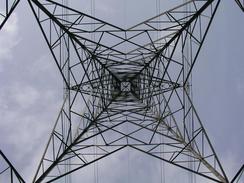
(144, 87)
(134, 84)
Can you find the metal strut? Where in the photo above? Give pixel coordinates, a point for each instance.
(7, 8)
(240, 3)
(125, 97)
(8, 169)
(136, 78)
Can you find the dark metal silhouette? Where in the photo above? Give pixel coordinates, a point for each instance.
(8, 171)
(135, 86)
(127, 77)
(240, 3)
(7, 7)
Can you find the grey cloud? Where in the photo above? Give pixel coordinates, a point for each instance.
(31, 92)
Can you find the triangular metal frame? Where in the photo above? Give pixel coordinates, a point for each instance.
(147, 64)
(137, 77)
(8, 170)
(8, 8)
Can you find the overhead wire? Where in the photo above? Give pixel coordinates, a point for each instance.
(161, 137)
(64, 57)
(125, 60)
(190, 122)
(95, 140)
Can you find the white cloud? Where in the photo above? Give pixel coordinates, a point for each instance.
(28, 131)
(25, 96)
(9, 38)
(28, 107)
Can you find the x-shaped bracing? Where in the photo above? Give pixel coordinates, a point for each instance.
(134, 84)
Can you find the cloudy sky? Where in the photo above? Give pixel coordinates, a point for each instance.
(31, 90)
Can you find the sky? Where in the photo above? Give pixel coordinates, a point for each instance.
(31, 91)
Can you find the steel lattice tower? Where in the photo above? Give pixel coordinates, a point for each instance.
(134, 84)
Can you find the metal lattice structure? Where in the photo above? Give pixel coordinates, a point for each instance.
(134, 84)
(7, 170)
(8, 8)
